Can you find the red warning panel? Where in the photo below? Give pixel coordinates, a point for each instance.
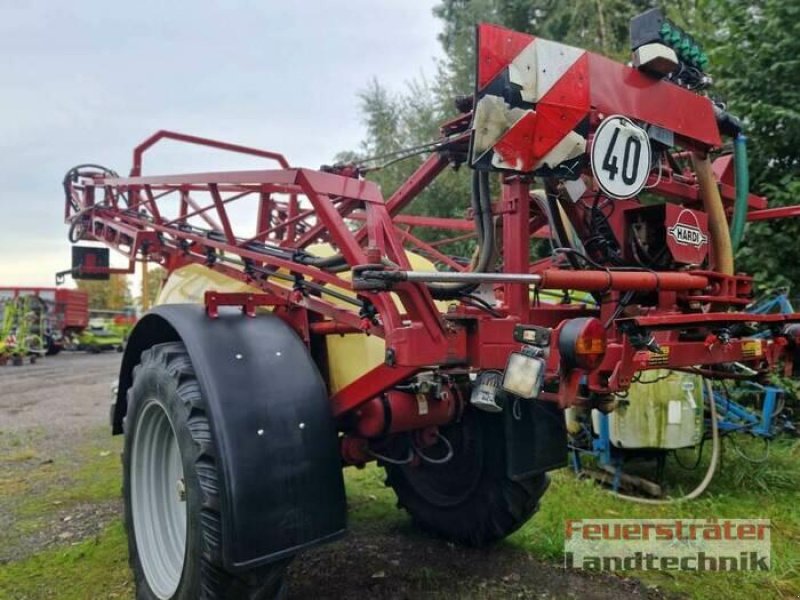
(516, 148)
(531, 104)
(499, 47)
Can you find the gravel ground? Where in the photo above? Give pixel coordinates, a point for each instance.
(64, 394)
(60, 404)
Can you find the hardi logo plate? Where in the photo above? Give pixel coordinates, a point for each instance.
(687, 234)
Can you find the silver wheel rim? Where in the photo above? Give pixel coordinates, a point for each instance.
(158, 500)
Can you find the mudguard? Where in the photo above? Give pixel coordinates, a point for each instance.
(536, 438)
(282, 488)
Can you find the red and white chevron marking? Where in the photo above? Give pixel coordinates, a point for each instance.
(531, 95)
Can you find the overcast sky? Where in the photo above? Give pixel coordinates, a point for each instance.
(84, 81)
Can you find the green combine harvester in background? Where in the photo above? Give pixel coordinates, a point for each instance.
(98, 338)
(23, 329)
(107, 330)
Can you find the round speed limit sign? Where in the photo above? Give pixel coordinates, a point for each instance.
(620, 157)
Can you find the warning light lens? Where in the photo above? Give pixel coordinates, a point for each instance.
(587, 345)
(582, 343)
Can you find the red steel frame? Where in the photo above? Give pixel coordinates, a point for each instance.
(300, 207)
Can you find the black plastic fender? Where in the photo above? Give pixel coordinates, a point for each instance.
(536, 437)
(282, 487)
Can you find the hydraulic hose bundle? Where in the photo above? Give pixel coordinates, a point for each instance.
(481, 204)
(484, 226)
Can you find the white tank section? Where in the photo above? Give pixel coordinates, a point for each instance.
(664, 410)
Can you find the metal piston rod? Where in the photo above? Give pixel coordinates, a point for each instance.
(587, 280)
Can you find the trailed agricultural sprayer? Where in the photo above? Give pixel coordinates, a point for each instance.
(324, 331)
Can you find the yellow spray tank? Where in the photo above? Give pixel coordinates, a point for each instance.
(349, 356)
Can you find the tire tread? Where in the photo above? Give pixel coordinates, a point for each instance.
(497, 507)
(215, 582)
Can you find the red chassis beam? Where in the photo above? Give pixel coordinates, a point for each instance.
(623, 360)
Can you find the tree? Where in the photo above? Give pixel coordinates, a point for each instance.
(154, 278)
(112, 294)
(755, 54)
(405, 120)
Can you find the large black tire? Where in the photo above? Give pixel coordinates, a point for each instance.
(165, 376)
(468, 500)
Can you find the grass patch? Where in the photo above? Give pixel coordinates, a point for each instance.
(13, 486)
(21, 455)
(97, 478)
(19, 447)
(95, 568)
(740, 490)
(369, 500)
(32, 495)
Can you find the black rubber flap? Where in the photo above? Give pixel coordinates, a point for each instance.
(536, 437)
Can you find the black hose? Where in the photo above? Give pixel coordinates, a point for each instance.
(475, 203)
(334, 263)
(78, 171)
(481, 201)
(304, 284)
